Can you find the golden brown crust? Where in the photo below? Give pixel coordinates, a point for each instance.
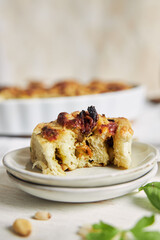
(61, 89)
(97, 86)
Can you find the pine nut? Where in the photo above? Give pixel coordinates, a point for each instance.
(42, 215)
(22, 227)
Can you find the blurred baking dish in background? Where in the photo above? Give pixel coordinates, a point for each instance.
(21, 109)
(61, 89)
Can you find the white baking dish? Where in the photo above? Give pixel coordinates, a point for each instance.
(20, 116)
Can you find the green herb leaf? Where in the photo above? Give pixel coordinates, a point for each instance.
(152, 191)
(142, 223)
(103, 231)
(103, 226)
(147, 235)
(139, 231)
(103, 235)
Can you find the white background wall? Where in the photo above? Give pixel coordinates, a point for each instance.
(54, 39)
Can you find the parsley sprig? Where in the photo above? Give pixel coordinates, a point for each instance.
(104, 231)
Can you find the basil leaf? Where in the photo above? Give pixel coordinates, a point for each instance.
(103, 235)
(102, 231)
(140, 234)
(152, 191)
(147, 235)
(142, 223)
(103, 226)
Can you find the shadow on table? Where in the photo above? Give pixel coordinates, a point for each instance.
(144, 203)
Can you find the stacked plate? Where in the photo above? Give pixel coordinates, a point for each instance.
(83, 185)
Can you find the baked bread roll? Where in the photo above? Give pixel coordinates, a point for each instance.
(81, 139)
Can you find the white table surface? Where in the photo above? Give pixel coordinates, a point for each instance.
(122, 212)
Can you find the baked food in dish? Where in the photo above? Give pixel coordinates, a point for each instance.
(81, 139)
(60, 89)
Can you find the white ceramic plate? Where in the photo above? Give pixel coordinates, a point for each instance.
(82, 194)
(27, 113)
(144, 157)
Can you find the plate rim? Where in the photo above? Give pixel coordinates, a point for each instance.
(71, 178)
(83, 189)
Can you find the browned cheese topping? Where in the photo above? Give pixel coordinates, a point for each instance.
(82, 123)
(50, 134)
